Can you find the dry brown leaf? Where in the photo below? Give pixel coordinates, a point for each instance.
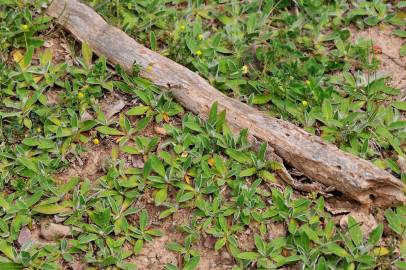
(366, 221)
(53, 231)
(25, 236)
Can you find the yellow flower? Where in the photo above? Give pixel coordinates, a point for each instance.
(149, 68)
(305, 103)
(24, 27)
(165, 116)
(381, 251)
(39, 129)
(307, 82)
(187, 179)
(96, 141)
(211, 162)
(182, 28)
(244, 69)
(200, 37)
(81, 95)
(199, 53)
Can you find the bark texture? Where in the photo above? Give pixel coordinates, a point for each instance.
(318, 160)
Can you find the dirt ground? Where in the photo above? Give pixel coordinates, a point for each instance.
(387, 47)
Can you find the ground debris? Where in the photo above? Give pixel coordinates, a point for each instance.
(366, 221)
(25, 236)
(53, 231)
(112, 105)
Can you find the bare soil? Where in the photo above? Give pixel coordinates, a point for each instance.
(386, 47)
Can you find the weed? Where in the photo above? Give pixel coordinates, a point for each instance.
(293, 59)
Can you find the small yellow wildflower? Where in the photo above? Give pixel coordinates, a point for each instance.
(293, 222)
(149, 68)
(81, 95)
(199, 53)
(244, 69)
(187, 179)
(24, 27)
(307, 82)
(165, 116)
(211, 162)
(200, 37)
(182, 28)
(381, 251)
(39, 129)
(96, 141)
(305, 103)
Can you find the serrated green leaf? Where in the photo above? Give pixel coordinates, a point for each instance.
(157, 165)
(336, 249)
(192, 263)
(355, 231)
(375, 235)
(139, 110)
(152, 40)
(239, 156)
(6, 249)
(51, 209)
(174, 246)
(399, 33)
(109, 131)
(160, 196)
(138, 246)
(402, 50)
(87, 54)
(220, 243)
(248, 172)
(261, 99)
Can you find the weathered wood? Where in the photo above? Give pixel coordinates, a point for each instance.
(318, 160)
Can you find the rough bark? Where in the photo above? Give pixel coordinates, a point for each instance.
(318, 160)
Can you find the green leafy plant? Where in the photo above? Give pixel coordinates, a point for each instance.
(293, 59)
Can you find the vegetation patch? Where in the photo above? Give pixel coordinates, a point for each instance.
(100, 169)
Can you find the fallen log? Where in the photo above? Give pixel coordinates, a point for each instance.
(319, 161)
